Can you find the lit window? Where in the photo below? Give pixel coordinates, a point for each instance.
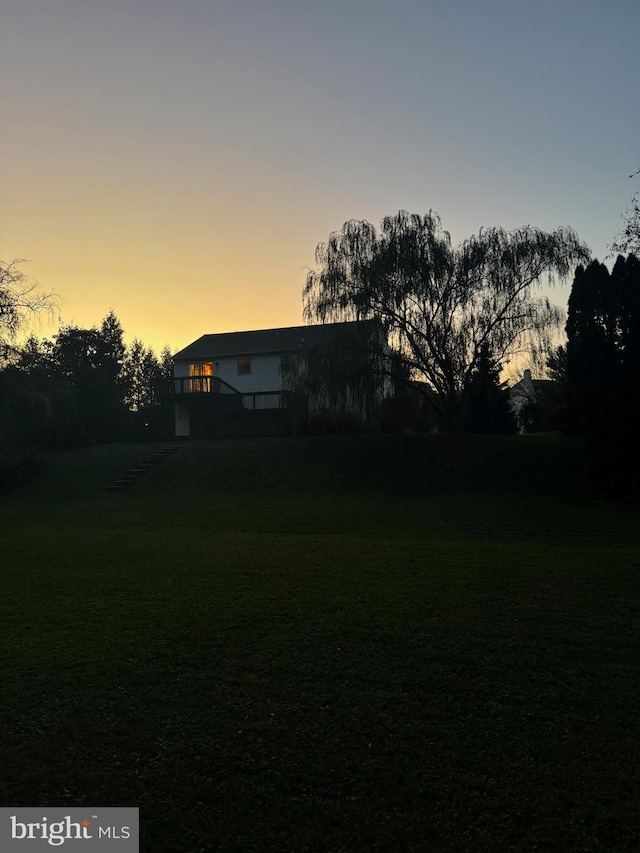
(200, 381)
(244, 366)
(203, 369)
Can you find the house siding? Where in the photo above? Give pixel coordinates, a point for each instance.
(264, 376)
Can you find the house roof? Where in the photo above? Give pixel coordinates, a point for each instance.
(288, 339)
(528, 385)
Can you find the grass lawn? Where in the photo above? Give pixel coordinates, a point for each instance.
(377, 643)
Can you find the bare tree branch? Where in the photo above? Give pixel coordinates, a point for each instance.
(21, 300)
(628, 240)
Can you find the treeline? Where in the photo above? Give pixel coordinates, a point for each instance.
(83, 386)
(593, 381)
(487, 406)
(603, 370)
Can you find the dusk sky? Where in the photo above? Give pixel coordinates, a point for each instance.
(178, 162)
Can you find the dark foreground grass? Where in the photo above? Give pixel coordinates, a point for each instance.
(292, 646)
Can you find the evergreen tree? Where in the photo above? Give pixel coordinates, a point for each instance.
(488, 403)
(591, 325)
(603, 368)
(554, 411)
(626, 275)
(140, 370)
(90, 363)
(149, 404)
(160, 416)
(166, 363)
(556, 365)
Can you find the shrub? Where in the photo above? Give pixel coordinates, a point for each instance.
(335, 423)
(18, 468)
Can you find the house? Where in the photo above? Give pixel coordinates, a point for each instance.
(530, 397)
(269, 381)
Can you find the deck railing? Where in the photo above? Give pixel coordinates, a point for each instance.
(263, 400)
(202, 385)
(257, 401)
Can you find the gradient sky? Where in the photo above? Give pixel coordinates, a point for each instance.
(178, 162)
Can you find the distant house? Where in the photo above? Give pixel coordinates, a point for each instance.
(270, 381)
(528, 396)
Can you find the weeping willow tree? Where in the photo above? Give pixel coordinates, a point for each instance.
(441, 307)
(344, 373)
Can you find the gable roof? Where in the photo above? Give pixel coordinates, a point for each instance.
(288, 339)
(528, 385)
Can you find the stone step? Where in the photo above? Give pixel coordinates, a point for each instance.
(143, 468)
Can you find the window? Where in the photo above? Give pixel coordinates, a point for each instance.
(200, 381)
(204, 369)
(244, 366)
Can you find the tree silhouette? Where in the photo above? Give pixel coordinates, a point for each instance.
(440, 305)
(146, 379)
(89, 362)
(140, 370)
(20, 298)
(556, 365)
(629, 238)
(343, 374)
(488, 402)
(603, 368)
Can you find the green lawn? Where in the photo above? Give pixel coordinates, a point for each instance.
(400, 643)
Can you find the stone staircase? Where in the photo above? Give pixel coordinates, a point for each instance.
(134, 475)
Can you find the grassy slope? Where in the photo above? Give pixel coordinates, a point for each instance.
(341, 644)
